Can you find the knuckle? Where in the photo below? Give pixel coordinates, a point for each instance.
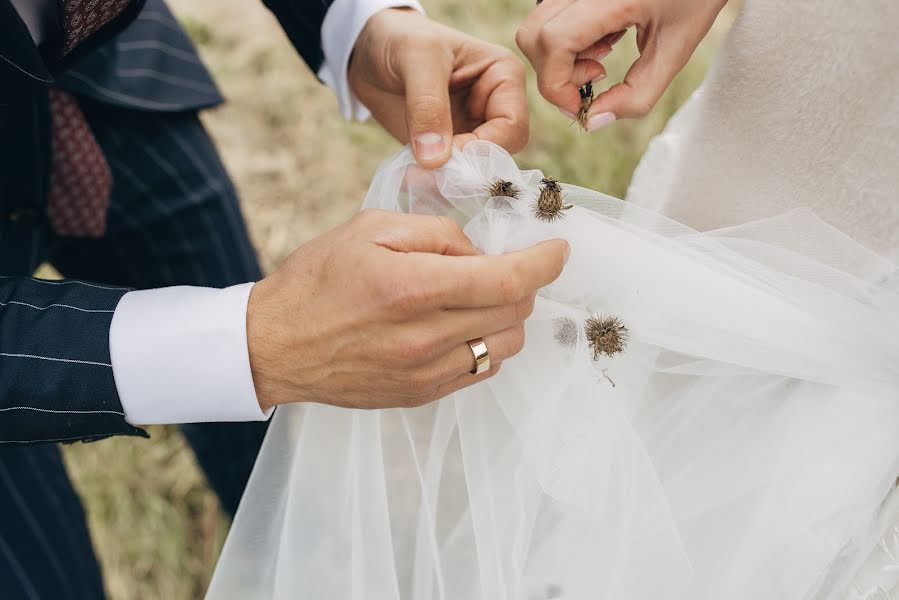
(403, 43)
(419, 381)
(414, 348)
(449, 226)
(422, 390)
(428, 112)
(411, 352)
(523, 39)
(368, 216)
(547, 90)
(632, 12)
(399, 295)
(511, 288)
(516, 343)
(641, 105)
(524, 309)
(548, 38)
(520, 138)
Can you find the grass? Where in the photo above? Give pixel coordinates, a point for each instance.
(301, 170)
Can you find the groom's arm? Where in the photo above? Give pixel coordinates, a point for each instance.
(83, 361)
(56, 376)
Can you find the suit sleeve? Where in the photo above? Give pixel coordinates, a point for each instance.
(56, 377)
(302, 22)
(325, 34)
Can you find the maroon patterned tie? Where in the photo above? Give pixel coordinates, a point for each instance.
(80, 181)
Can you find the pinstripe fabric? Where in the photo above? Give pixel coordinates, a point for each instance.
(174, 219)
(45, 550)
(151, 66)
(56, 381)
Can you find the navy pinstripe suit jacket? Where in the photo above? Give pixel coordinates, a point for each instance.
(56, 380)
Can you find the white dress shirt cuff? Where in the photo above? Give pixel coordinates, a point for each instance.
(179, 355)
(342, 25)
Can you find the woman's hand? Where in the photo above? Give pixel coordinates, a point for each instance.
(566, 39)
(437, 86)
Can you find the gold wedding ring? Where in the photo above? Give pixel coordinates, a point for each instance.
(481, 357)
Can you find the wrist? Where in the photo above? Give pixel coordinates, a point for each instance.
(258, 334)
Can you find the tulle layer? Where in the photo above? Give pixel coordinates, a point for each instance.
(743, 445)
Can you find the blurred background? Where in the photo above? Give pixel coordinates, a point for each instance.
(300, 170)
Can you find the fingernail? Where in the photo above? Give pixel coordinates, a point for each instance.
(600, 120)
(599, 78)
(567, 252)
(602, 55)
(568, 114)
(429, 146)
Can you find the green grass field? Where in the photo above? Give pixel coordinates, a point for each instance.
(301, 170)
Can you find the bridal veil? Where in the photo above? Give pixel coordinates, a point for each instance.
(742, 446)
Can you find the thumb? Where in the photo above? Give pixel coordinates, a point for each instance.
(428, 114)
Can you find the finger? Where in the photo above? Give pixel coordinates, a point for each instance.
(460, 324)
(529, 30)
(481, 281)
(597, 51)
(587, 70)
(498, 98)
(530, 38)
(644, 84)
(584, 23)
(613, 38)
(460, 360)
(415, 233)
(463, 381)
(559, 41)
(547, 9)
(426, 75)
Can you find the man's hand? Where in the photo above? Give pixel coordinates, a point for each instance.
(377, 312)
(566, 39)
(437, 86)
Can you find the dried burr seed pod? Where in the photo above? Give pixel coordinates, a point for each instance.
(549, 204)
(606, 335)
(500, 187)
(586, 92)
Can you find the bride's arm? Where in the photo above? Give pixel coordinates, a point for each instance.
(566, 40)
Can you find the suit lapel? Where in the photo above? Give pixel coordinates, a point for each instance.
(22, 69)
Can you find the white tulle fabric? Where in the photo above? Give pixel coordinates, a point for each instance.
(744, 450)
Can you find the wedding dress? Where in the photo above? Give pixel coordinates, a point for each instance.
(800, 109)
(745, 444)
(742, 446)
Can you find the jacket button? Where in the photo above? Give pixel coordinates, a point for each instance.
(23, 216)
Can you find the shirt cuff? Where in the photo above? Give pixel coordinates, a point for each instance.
(179, 355)
(342, 25)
